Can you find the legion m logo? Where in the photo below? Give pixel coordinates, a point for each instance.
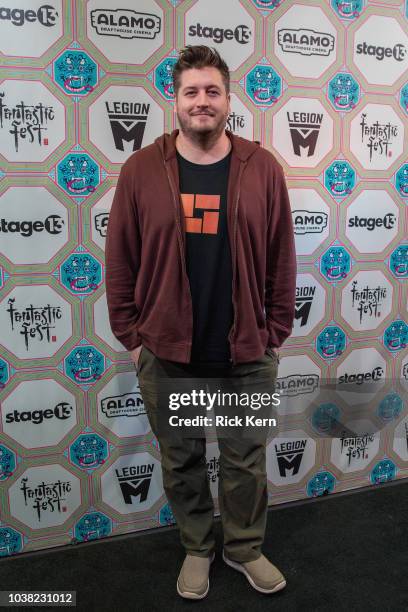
(128, 122)
(304, 130)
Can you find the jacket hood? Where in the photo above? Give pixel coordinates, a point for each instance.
(241, 147)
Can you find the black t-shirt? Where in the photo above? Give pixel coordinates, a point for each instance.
(203, 189)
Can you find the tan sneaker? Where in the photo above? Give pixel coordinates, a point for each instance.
(261, 574)
(193, 582)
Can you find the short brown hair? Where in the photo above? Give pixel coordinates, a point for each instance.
(199, 56)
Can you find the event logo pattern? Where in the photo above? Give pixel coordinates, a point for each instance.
(83, 85)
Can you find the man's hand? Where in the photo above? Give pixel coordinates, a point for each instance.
(135, 354)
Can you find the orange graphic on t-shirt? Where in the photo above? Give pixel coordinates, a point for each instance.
(208, 223)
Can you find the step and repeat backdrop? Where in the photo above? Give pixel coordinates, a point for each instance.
(323, 85)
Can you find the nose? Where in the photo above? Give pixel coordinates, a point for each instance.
(202, 99)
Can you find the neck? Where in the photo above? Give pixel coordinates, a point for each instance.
(203, 149)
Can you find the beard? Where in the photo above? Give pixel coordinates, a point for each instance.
(204, 135)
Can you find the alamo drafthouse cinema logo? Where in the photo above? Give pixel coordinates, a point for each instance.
(297, 384)
(305, 42)
(125, 23)
(128, 122)
(25, 122)
(304, 130)
(127, 405)
(309, 222)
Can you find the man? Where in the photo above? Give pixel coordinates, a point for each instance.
(200, 279)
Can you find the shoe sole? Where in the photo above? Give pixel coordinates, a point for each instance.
(191, 594)
(240, 568)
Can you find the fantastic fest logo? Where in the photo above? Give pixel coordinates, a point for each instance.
(26, 122)
(34, 321)
(44, 496)
(377, 137)
(367, 300)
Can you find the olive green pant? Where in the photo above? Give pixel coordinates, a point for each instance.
(242, 482)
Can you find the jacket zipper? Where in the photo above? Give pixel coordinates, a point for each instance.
(177, 209)
(234, 258)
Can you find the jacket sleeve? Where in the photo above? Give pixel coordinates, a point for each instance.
(122, 261)
(280, 286)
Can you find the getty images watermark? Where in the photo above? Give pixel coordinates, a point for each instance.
(208, 401)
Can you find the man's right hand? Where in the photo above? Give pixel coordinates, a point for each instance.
(135, 354)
